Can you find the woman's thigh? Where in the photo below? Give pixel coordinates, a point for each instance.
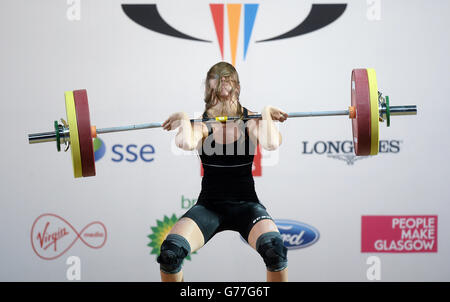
(187, 228)
(261, 227)
(197, 225)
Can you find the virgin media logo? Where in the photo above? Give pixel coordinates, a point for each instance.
(52, 236)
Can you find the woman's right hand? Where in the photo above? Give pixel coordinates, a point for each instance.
(174, 121)
(274, 113)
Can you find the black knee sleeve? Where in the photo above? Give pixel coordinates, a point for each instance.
(173, 251)
(271, 248)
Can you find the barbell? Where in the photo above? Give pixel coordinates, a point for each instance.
(368, 108)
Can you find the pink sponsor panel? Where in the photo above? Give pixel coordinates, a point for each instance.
(399, 234)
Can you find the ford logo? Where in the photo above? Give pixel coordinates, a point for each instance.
(296, 234)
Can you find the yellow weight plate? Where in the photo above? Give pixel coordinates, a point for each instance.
(374, 112)
(73, 131)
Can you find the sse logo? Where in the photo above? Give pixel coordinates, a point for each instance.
(129, 153)
(148, 16)
(99, 148)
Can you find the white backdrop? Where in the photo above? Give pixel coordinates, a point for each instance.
(135, 75)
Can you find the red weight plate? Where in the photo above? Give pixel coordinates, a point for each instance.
(84, 133)
(361, 101)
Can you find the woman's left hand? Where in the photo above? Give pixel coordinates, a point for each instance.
(273, 113)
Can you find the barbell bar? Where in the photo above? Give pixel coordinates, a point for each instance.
(52, 136)
(368, 108)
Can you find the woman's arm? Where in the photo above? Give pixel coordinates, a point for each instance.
(189, 135)
(264, 131)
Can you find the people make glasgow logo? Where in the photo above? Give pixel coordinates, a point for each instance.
(399, 233)
(148, 16)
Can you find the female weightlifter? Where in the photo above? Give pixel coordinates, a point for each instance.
(227, 200)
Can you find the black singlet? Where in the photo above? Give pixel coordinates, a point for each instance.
(227, 168)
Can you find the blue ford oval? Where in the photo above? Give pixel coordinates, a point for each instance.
(296, 234)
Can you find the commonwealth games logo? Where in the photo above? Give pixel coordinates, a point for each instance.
(148, 16)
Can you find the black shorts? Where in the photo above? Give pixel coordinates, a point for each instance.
(239, 216)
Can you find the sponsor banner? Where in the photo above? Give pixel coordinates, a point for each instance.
(344, 150)
(159, 233)
(399, 234)
(52, 236)
(128, 153)
(297, 234)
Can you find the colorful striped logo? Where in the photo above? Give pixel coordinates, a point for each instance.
(234, 18)
(148, 16)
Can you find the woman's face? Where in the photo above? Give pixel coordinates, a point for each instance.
(225, 89)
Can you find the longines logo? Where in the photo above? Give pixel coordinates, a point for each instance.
(343, 150)
(148, 16)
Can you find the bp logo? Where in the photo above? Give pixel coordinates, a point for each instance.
(160, 232)
(99, 148)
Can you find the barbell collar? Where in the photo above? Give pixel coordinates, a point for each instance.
(50, 136)
(42, 137)
(403, 110)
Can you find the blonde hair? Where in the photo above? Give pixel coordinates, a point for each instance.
(217, 72)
